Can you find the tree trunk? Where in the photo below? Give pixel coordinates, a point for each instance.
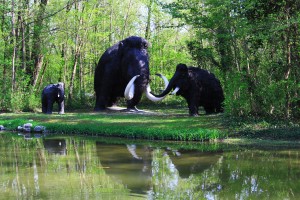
(73, 76)
(37, 41)
(126, 19)
(111, 25)
(42, 76)
(288, 63)
(13, 41)
(147, 33)
(5, 50)
(78, 44)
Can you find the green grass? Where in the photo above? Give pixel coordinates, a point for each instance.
(151, 126)
(160, 123)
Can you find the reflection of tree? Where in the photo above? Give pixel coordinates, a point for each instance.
(165, 176)
(26, 172)
(260, 174)
(88, 170)
(166, 182)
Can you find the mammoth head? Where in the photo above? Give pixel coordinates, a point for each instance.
(134, 62)
(61, 89)
(179, 81)
(134, 42)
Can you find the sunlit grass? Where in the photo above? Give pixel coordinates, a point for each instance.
(154, 126)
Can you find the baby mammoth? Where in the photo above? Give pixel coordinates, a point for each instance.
(198, 86)
(53, 93)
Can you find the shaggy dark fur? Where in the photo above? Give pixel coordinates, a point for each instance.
(116, 67)
(199, 87)
(53, 93)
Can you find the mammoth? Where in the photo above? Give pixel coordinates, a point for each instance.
(198, 86)
(53, 93)
(123, 71)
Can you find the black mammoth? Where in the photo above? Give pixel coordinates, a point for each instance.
(198, 86)
(53, 93)
(123, 71)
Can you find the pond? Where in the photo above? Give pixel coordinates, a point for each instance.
(66, 167)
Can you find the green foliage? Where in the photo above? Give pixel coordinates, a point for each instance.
(33, 103)
(254, 46)
(251, 46)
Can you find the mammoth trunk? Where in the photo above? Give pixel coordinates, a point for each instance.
(168, 87)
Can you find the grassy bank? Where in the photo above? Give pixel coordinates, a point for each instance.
(148, 125)
(155, 124)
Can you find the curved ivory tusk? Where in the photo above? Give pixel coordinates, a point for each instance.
(129, 90)
(151, 96)
(166, 81)
(176, 90)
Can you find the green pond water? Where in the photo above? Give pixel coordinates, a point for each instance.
(34, 167)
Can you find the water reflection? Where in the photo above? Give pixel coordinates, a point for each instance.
(139, 167)
(76, 168)
(55, 146)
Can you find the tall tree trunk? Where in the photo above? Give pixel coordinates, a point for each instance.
(22, 34)
(42, 76)
(13, 41)
(73, 76)
(37, 41)
(5, 50)
(147, 32)
(126, 19)
(81, 77)
(78, 44)
(111, 25)
(288, 62)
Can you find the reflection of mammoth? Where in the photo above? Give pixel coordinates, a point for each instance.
(55, 146)
(130, 164)
(193, 162)
(135, 165)
(53, 93)
(123, 70)
(198, 86)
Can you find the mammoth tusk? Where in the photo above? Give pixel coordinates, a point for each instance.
(151, 96)
(129, 90)
(175, 91)
(164, 78)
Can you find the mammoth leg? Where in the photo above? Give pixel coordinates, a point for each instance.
(101, 103)
(102, 97)
(104, 92)
(99, 106)
(193, 108)
(219, 108)
(61, 107)
(49, 106)
(112, 101)
(131, 104)
(209, 109)
(44, 104)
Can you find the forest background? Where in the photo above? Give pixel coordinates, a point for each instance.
(252, 46)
